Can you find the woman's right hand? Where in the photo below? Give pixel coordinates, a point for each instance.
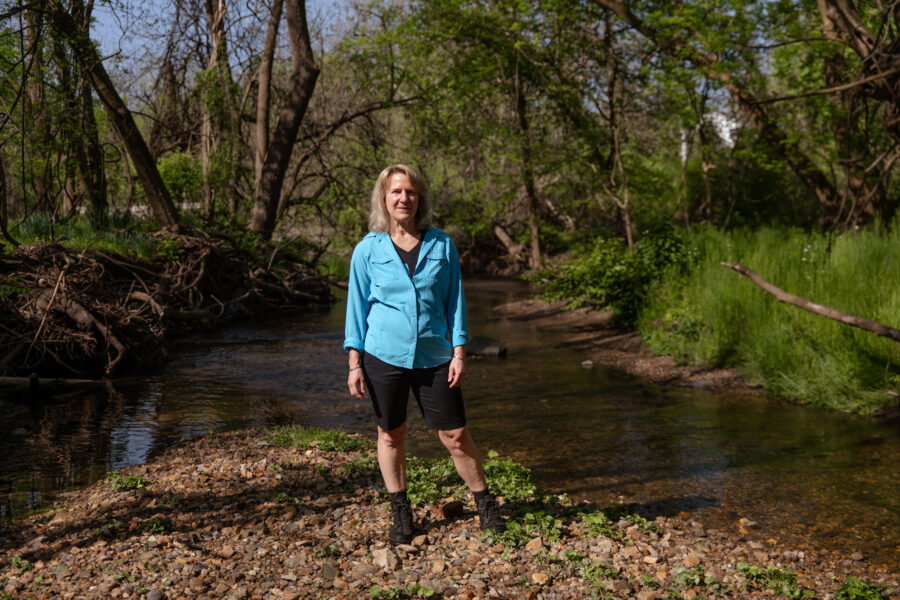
(357, 384)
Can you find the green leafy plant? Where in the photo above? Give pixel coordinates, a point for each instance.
(409, 591)
(303, 437)
(525, 524)
(360, 464)
(611, 275)
(429, 481)
(856, 589)
(120, 482)
(509, 479)
(326, 551)
(156, 525)
(12, 285)
(19, 563)
(778, 580)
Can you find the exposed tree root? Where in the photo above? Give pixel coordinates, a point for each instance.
(64, 313)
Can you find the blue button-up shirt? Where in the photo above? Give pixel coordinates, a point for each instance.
(410, 322)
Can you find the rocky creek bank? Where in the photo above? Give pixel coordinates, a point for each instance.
(592, 332)
(233, 515)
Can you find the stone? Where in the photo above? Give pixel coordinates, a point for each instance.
(856, 556)
(534, 545)
(226, 551)
(154, 595)
(485, 346)
(540, 578)
(385, 558)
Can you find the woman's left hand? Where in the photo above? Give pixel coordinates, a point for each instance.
(457, 372)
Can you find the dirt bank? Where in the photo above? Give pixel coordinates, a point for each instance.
(232, 516)
(592, 332)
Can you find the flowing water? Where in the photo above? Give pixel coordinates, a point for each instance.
(806, 476)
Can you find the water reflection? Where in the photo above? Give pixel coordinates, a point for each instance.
(805, 475)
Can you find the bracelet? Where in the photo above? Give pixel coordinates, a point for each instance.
(355, 368)
(459, 357)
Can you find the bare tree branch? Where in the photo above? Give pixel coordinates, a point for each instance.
(875, 327)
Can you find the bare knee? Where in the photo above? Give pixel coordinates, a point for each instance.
(455, 440)
(394, 439)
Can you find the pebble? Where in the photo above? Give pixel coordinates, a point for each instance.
(230, 538)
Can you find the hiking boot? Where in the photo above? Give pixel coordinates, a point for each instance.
(489, 514)
(403, 531)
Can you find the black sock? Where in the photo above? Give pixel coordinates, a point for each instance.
(482, 494)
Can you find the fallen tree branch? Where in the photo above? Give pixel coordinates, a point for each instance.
(875, 327)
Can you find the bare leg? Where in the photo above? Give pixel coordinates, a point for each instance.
(392, 457)
(466, 457)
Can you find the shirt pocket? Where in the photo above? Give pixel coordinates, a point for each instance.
(383, 271)
(437, 268)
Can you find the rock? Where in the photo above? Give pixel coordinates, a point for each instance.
(856, 556)
(647, 595)
(484, 346)
(154, 595)
(329, 572)
(452, 510)
(438, 566)
(385, 558)
(535, 545)
(19, 431)
(226, 551)
(540, 578)
(587, 364)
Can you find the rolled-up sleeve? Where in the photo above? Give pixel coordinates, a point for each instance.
(357, 301)
(456, 301)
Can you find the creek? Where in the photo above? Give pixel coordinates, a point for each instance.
(808, 477)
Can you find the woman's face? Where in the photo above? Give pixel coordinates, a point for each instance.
(401, 199)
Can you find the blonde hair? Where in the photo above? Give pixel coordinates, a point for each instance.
(378, 217)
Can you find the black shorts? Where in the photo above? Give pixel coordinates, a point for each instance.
(389, 386)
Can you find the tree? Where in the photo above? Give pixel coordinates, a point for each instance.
(87, 56)
(267, 192)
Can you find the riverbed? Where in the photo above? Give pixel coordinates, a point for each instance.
(804, 476)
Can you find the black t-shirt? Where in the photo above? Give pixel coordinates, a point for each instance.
(409, 258)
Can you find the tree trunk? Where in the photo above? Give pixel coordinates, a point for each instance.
(3, 204)
(534, 249)
(264, 88)
(278, 151)
(221, 114)
(87, 56)
(33, 102)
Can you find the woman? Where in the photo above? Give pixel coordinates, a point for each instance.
(406, 330)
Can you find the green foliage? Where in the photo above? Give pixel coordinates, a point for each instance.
(526, 523)
(706, 314)
(288, 436)
(19, 563)
(429, 481)
(856, 589)
(407, 592)
(12, 285)
(778, 580)
(326, 551)
(611, 275)
(156, 525)
(182, 175)
(509, 479)
(120, 482)
(361, 464)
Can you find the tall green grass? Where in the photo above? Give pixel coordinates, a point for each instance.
(704, 313)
